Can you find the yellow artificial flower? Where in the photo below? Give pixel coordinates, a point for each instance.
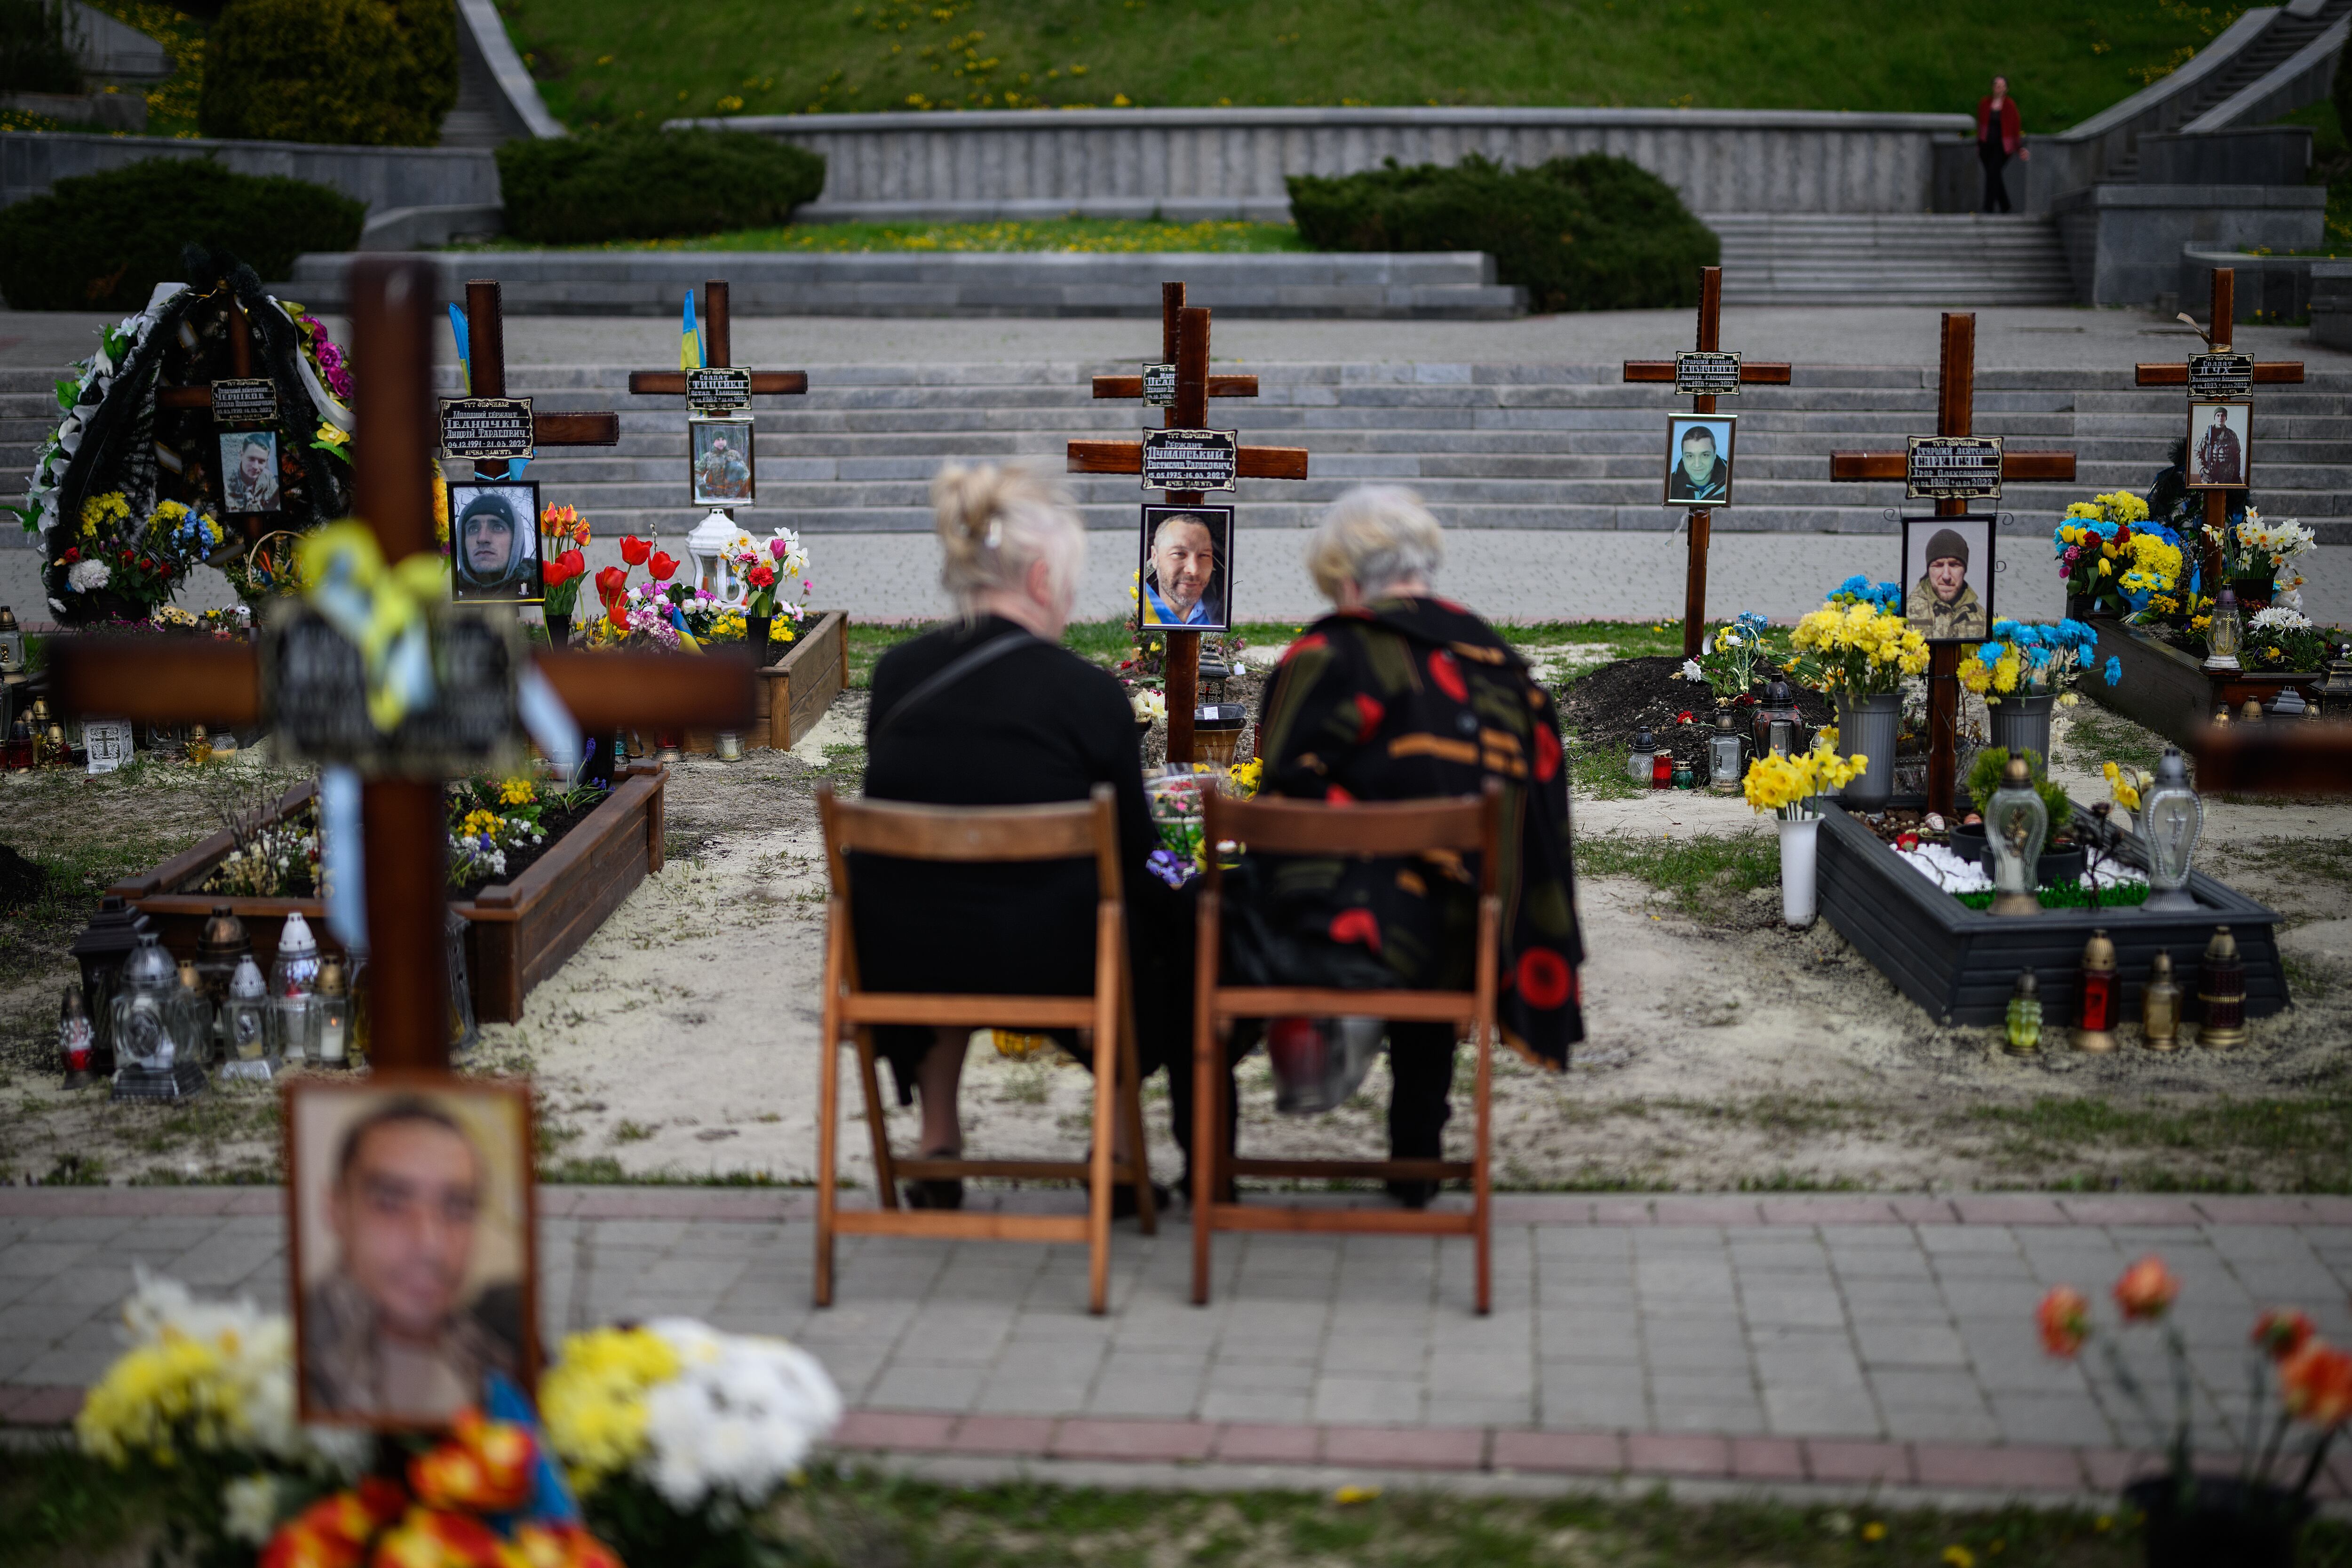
(592, 1400)
(518, 792)
(478, 822)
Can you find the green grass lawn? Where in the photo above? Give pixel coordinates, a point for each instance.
(604, 61)
(1047, 234)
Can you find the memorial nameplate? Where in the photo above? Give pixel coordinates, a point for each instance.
(2221, 375)
(482, 429)
(107, 743)
(1707, 372)
(1953, 467)
(1159, 386)
(314, 692)
(245, 400)
(1191, 460)
(717, 388)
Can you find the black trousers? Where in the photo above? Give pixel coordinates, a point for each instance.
(1420, 1063)
(1996, 191)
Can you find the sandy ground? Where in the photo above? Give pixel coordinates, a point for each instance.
(681, 1041)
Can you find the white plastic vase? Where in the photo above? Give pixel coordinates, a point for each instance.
(1799, 840)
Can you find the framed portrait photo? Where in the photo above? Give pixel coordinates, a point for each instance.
(1698, 458)
(719, 461)
(1948, 566)
(1187, 571)
(249, 465)
(494, 542)
(410, 1212)
(2220, 444)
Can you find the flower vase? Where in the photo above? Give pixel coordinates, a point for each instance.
(755, 638)
(2220, 1519)
(2021, 723)
(1799, 842)
(558, 628)
(1867, 726)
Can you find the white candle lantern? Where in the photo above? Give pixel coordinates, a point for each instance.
(706, 546)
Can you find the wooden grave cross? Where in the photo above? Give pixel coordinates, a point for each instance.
(486, 376)
(2218, 339)
(406, 830)
(1955, 416)
(1706, 366)
(1185, 342)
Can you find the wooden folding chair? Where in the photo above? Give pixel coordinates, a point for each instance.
(1076, 831)
(1298, 828)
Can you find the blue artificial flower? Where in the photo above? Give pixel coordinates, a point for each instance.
(2115, 669)
(2003, 630)
(1989, 654)
(1856, 586)
(1888, 595)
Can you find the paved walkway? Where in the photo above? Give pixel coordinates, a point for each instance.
(1806, 1340)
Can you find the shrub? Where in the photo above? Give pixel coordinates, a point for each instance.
(34, 56)
(646, 185)
(371, 73)
(102, 242)
(1594, 232)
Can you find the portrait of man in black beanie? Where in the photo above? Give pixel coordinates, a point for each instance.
(1943, 606)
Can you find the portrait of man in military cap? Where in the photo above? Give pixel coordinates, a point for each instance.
(413, 1246)
(248, 471)
(494, 542)
(1945, 560)
(720, 451)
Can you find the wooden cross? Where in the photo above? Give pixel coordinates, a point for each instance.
(2218, 339)
(1185, 342)
(486, 376)
(1760, 373)
(720, 354)
(1955, 416)
(405, 827)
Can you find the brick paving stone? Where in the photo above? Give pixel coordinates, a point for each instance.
(1268, 1443)
(1677, 1454)
(1768, 1460)
(892, 1429)
(1405, 1447)
(1858, 1464)
(1560, 1453)
(1001, 1435)
(41, 1405)
(2022, 1468)
(1163, 1441)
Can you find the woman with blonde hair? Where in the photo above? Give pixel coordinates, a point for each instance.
(990, 710)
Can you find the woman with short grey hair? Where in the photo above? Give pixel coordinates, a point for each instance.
(1401, 695)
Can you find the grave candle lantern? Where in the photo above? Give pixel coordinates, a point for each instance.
(2021, 1029)
(18, 754)
(1662, 770)
(293, 992)
(2335, 691)
(1780, 703)
(12, 643)
(2016, 822)
(2225, 634)
(334, 1014)
(2221, 992)
(159, 1028)
(222, 942)
(100, 950)
(2159, 1006)
(74, 1035)
(1726, 754)
(2170, 818)
(2095, 996)
(248, 1036)
(707, 547)
(1637, 760)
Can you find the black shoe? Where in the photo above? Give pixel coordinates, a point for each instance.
(933, 1191)
(1122, 1200)
(1412, 1194)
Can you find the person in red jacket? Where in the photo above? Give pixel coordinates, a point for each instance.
(1999, 133)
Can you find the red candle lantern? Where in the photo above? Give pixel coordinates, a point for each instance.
(1662, 770)
(2094, 993)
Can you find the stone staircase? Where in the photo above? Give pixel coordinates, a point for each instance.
(1898, 258)
(1555, 446)
(2288, 33)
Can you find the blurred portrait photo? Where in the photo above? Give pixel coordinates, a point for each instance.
(248, 461)
(412, 1264)
(720, 453)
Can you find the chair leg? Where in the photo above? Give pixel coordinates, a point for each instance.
(1109, 947)
(828, 1117)
(1208, 1152)
(1482, 1179)
(878, 1124)
(1130, 1107)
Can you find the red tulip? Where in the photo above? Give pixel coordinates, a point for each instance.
(2281, 1331)
(2066, 1320)
(2315, 1385)
(610, 583)
(565, 567)
(2146, 1289)
(634, 550)
(662, 567)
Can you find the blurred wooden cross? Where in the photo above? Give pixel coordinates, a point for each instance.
(719, 353)
(406, 826)
(1184, 343)
(1708, 365)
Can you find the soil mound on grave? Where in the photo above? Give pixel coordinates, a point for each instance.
(1607, 706)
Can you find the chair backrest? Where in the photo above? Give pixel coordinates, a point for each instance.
(1058, 830)
(1458, 823)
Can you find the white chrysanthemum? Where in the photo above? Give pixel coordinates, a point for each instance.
(2280, 618)
(249, 1509)
(738, 1420)
(84, 576)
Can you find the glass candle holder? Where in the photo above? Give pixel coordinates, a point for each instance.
(2221, 992)
(2016, 823)
(2094, 995)
(2159, 1006)
(2021, 1026)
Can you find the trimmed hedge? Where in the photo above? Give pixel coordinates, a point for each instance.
(650, 184)
(102, 242)
(1594, 232)
(364, 73)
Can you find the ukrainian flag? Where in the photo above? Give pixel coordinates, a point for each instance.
(689, 343)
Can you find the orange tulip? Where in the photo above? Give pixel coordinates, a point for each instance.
(486, 1466)
(2281, 1331)
(2146, 1289)
(2315, 1384)
(2065, 1319)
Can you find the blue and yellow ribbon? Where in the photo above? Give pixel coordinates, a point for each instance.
(383, 609)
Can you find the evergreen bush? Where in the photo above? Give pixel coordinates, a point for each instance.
(650, 184)
(102, 242)
(365, 73)
(1592, 233)
(34, 55)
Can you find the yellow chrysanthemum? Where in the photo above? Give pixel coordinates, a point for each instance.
(592, 1401)
(518, 792)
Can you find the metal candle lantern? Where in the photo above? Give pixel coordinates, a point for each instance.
(2335, 691)
(74, 1035)
(159, 1028)
(2170, 819)
(2159, 1006)
(2095, 996)
(1780, 702)
(2288, 704)
(706, 546)
(12, 643)
(219, 947)
(2021, 1029)
(294, 992)
(1214, 673)
(248, 1040)
(1726, 755)
(2221, 992)
(100, 949)
(1638, 760)
(2225, 634)
(2016, 822)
